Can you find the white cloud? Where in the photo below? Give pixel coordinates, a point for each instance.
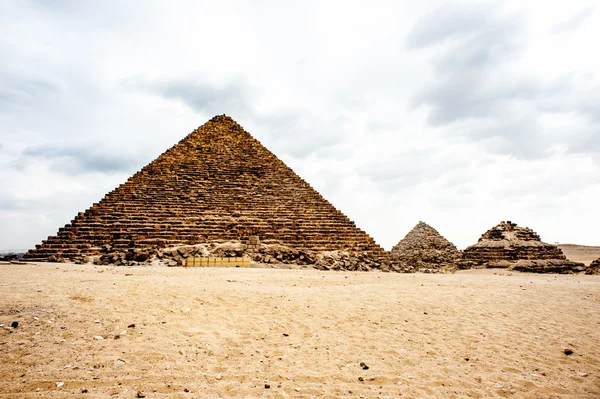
(457, 114)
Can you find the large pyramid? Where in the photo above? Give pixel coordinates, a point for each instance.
(218, 184)
(520, 248)
(424, 249)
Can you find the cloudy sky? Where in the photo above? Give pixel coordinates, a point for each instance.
(459, 114)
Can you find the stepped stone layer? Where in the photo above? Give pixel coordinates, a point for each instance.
(424, 249)
(511, 246)
(218, 184)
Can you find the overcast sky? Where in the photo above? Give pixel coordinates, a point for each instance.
(459, 114)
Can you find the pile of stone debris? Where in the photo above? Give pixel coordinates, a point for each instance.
(11, 257)
(269, 255)
(594, 267)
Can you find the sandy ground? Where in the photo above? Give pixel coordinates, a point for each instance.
(231, 333)
(580, 253)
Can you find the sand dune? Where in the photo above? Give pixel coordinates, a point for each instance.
(580, 253)
(233, 333)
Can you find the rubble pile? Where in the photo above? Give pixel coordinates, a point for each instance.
(594, 267)
(270, 255)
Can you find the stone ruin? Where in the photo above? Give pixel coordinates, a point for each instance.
(518, 248)
(425, 250)
(594, 267)
(218, 185)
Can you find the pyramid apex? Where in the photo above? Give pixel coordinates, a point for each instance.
(223, 119)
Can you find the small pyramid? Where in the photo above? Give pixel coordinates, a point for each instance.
(510, 246)
(594, 267)
(218, 184)
(424, 248)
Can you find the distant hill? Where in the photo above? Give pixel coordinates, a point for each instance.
(580, 253)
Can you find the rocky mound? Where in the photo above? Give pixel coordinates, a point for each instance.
(519, 248)
(548, 266)
(594, 267)
(11, 257)
(261, 254)
(424, 249)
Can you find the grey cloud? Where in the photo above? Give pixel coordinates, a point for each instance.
(407, 169)
(575, 21)
(10, 203)
(233, 98)
(16, 90)
(291, 132)
(486, 39)
(447, 22)
(298, 135)
(463, 96)
(479, 99)
(76, 160)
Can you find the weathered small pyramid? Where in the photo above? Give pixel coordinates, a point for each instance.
(424, 249)
(594, 267)
(510, 246)
(218, 184)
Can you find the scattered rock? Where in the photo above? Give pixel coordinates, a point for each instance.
(14, 324)
(568, 351)
(364, 366)
(59, 384)
(132, 325)
(98, 337)
(118, 363)
(267, 386)
(140, 394)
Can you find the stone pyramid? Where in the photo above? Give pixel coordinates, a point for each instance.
(520, 248)
(594, 267)
(218, 184)
(425, 249)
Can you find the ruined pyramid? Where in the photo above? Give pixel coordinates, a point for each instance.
(424, 249)
(510, 246)
(594, 267)
(218, 184)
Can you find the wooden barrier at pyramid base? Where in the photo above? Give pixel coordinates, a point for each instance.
(217, 262)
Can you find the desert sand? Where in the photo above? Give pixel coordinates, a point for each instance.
(580, 253)
(245, 333)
